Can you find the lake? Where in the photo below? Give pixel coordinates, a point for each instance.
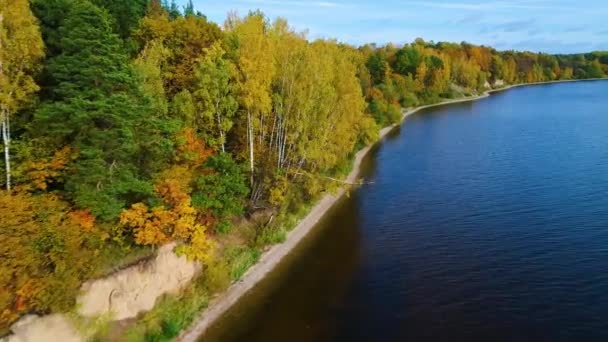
(485, 220)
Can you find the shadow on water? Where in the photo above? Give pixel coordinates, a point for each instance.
(322, 265)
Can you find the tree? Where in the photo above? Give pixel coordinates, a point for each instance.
(254, 60)
(214, 96)
(148, 69)
(497, 69)
(433, 74)
(320, 109)
(186, 38)
(481, 55)
(21, 48)
(174, 219)
(47, 251)
(50, 14)
(172, 9)
(407, 60)
(510, 72)
(379, 67)
(567, 74)
(97, 109)
(465, 73)
(126, 14)
(221, 188)
(595, 70)
(189, 9)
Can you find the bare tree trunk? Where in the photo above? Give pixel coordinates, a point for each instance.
(279, 141)
(6, 139)
(250, 136)
(262, 130)
(274, 123)
(283, 145)
(219, 124)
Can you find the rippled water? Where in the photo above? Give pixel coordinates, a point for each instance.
(485, 221)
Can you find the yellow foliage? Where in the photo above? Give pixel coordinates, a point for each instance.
(201, 247)
(176, 221)
(149, 227)
(277, 192)
(159, 226)
(21, 49)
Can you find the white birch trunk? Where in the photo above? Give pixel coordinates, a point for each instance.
(219, 125)
(6, 139)
(250, 133)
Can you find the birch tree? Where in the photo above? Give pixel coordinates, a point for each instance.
(256, 70)
(214, 96)
(148, 68)
(21, 47)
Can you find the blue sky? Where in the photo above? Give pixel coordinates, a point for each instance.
(554, 26)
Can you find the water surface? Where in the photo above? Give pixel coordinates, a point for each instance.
(485, 221)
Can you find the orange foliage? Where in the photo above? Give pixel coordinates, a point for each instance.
(84, 219)
(24, 295)
(172, 192)
(376, 94)
(482, 55)
(192, 149)
(41, 173)
(45, 255)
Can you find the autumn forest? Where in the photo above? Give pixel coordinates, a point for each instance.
(130, 124)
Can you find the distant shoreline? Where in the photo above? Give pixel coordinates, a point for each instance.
(271, 258)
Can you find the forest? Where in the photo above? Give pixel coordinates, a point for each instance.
(130, 124)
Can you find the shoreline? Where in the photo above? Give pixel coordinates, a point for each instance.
(271, 258)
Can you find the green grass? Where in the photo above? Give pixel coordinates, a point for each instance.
(170, 316)
(271, 235)
(240, 259)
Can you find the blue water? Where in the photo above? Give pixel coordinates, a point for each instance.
(482, 221)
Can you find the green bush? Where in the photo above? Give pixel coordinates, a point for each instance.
(217, 277)
(410, 100)
(222, 189)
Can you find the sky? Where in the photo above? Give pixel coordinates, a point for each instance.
(552, 26)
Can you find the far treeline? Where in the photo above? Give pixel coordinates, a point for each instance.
(127, 124)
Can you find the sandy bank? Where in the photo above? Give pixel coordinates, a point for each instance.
(275, 254)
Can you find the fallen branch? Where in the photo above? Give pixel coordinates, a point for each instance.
(361, 182)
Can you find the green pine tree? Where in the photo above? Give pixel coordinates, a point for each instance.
(97, 109)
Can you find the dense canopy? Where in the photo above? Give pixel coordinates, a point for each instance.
(133, 123)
